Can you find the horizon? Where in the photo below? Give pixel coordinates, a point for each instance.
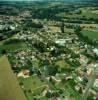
(50, 0)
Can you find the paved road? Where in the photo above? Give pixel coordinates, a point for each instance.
(89, 85)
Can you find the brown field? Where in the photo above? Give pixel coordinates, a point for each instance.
(54, 29)
(9, 87)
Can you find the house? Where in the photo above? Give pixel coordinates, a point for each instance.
(24, 73)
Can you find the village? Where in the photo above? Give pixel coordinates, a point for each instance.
(50, 58)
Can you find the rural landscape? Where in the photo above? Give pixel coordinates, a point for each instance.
(48, 50)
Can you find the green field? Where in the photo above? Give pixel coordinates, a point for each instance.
(33, 87)
(9, 86)
(85, 12)
(90, 34)
(69, 90)
(13, 46)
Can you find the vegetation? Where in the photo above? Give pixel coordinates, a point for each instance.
(91, 34)
(52, 48)
(32, 86)
(8, 82)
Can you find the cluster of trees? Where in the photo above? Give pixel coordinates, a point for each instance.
(62, 27)
(12, 41)
(40, 46)
(49, 13)
(9, 10)
(7, 34)
(32, 24)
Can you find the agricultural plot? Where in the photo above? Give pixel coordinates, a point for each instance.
(93, 35)
(9, 87)
(86, 13)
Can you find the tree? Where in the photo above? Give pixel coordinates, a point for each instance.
(52, 70)
(1, 37)
(78, 29)
(3, 51)
(40, 46)
(48, 94)
(62, 27)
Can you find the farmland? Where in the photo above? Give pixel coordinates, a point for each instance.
(93, 35)
(9, 86)
(84, 13)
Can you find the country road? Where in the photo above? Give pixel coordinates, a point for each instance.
(89, 85)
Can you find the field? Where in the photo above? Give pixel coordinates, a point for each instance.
(57, 29)
(9, 87)
(70, 92)
(95, 11)
(90, 34)
(85, 12)
(12, 46)
(33, 86)
(54, 29)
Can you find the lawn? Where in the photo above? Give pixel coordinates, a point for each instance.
(33, 87)
(69, 89)
(90, 34)
(9, 86)
(62, 64)
(73, 93)
(88, 13)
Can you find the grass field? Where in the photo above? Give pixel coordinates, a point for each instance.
(12, 47)
(9, 86)
(69, 90)
(33, 87)
(85, 12)
(90, 34)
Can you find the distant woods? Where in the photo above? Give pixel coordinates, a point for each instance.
(7, 34)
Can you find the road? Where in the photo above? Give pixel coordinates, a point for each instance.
(89, 85)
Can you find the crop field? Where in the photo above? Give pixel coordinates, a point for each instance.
(54, 29)
(93, 35)
(57, 29)
(85, 12)
(9, 87)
